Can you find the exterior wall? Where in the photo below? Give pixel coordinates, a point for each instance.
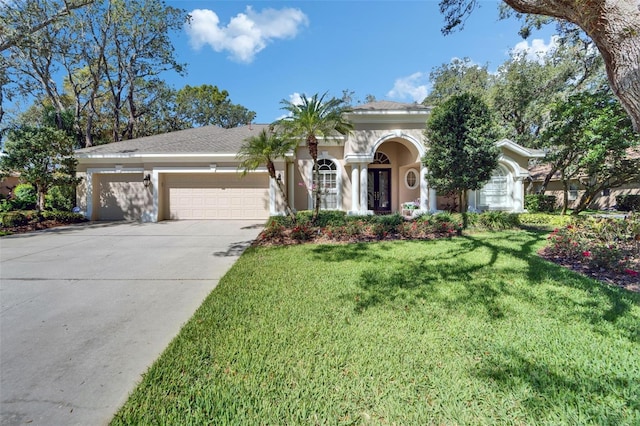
(600, 202)
(7, 184)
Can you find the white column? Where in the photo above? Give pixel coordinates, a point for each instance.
(272, 196)
(423, 188)
(433, 200)
(355, 188)
(364, 176)
(155, 191)
(518, 195)
(89, 198)
(290, 187)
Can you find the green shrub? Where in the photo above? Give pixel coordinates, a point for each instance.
(540, 203)
(497, 220)
(14, 219)
(62, 216)
(331, 217)
(545, 219)
(24, 197)
(60, 198)
(284, 221)
(597, 242)
(628, 202)
(390, 221)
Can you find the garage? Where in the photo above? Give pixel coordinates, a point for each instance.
(216, 196)
(122, 196)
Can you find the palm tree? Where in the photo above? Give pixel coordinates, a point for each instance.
(264, 148)
(313, 118)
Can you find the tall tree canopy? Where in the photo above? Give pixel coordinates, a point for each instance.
(112, 53)
(455, 78)
(207, 105)
(613, 25)
(461, 154)
(588, 139)
(43, 156)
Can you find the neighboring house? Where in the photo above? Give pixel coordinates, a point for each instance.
(8, 183)
(605, 200)
(193, 173)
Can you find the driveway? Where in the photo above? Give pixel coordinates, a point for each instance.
(85, 310)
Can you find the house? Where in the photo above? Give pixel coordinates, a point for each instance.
(193, 173)
(605, 200)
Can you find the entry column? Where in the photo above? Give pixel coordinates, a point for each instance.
(364, 175)
(355, 188)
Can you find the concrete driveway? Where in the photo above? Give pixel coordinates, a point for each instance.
(85, 310)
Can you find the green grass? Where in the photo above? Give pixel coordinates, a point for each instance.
(472, 330)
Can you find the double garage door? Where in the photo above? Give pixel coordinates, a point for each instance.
(184, 196)
(216, 196)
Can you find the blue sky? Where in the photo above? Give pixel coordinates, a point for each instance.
(264, 51)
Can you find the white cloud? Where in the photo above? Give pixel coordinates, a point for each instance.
(247, 33)
(415, 87)
(296, 99)
(537, 50)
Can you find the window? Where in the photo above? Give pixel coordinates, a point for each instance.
(328, 184)
(380, 158)
(411, 179)
(573, 192)
(494, 194)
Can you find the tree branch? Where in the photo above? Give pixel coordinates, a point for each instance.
(66, 10)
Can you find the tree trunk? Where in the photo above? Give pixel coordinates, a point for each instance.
(41, 199)
(312, 144)
(565, 196)
(272, 173)
(614, 26)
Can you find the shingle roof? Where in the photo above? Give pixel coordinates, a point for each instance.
(199, 140)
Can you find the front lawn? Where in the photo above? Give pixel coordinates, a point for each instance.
(470, 330)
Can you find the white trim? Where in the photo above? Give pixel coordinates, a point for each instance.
(399, 134)
(339, 170)
(406, 174)
(519, 149)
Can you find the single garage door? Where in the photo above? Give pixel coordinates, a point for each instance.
(121, 196)
(218, 196)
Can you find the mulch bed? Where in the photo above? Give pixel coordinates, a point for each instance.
(33, 226)
(613, 278)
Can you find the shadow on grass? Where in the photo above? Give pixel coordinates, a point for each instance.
(447, 271)
(345, 252)
(508, 371)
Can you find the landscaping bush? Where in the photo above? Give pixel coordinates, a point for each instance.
(540, 203)
(24, 197)
(62, 216)
(598, 242)
(10, 219)
(496, 220)
(60, 198)
(628, 202)
(545, 219)
(331, 217)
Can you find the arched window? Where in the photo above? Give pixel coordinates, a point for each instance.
(328, 184)
(380, 158)
(494, 195)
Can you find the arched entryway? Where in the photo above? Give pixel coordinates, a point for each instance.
(393, 177)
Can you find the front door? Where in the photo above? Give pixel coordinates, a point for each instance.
(379, 190)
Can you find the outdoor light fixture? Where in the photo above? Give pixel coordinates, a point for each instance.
(279, 178)
(146, 181)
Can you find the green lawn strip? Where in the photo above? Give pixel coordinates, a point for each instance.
(472, 330)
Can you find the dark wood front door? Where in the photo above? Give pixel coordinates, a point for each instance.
(379, 190)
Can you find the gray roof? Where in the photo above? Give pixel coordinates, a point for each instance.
(199, 140)
(390, 106)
